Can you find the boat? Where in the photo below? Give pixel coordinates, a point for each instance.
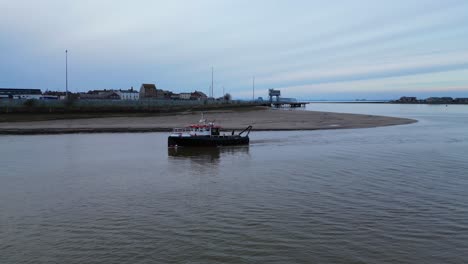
(206, 134)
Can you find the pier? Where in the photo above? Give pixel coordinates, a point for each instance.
(283, 102)
(289, 104)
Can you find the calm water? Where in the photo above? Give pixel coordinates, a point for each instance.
(382, 195)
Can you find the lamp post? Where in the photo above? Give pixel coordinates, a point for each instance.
(253, 89)
(66, 74)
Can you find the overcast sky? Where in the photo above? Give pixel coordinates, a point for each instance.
(308, 49)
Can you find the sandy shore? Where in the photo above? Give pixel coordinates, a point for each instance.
(259, 118)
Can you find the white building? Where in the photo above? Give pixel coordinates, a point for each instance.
(13, 93)
(128, 94)
(185, 96)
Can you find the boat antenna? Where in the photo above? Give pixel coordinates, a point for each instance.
(212, 88)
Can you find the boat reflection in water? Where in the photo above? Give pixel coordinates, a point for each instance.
(208, 154)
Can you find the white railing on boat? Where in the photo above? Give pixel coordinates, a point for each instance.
(182, 130)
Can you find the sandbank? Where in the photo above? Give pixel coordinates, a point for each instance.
(259, 117)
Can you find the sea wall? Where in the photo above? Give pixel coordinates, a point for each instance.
(115, 106)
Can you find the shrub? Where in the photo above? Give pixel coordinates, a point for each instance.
(227, 97)
(70, 100)
(30, 102)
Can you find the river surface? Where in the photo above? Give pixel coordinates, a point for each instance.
(381, 195)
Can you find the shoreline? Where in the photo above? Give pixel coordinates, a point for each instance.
(261, 119)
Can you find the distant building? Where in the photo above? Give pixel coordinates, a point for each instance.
(129, 94)
(104, 95)
(163, 94)
(15, 93)
(461, 100)
(185, 96)
(197, 95)
(408, 99)
(51, 95)
(148, 90)
(110, 94)
(99, 91)
(439, 100)
(175, 96)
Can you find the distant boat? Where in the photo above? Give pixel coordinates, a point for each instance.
(206, 134)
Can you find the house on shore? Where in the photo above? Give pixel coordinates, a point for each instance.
(110, 94)
(197, 95)
(100, 95)
(185, 96)
(17, 93)
(54, 95)
(129, 94)
(175, 96)
(149, 91)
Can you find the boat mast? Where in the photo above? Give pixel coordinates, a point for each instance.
(212, 88)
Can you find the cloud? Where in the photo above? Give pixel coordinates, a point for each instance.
(174, 43)
(406, 66)
(450, 81)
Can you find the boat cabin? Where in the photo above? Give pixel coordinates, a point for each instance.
(197, 130)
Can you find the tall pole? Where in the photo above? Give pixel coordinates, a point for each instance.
(66, 74)
(212, 88)
(253, 89)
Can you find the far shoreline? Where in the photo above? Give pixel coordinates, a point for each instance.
(261, 118)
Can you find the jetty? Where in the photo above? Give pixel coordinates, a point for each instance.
(289, 104)
(283, 102)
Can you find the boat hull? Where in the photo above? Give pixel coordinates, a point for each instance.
(207, 141)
